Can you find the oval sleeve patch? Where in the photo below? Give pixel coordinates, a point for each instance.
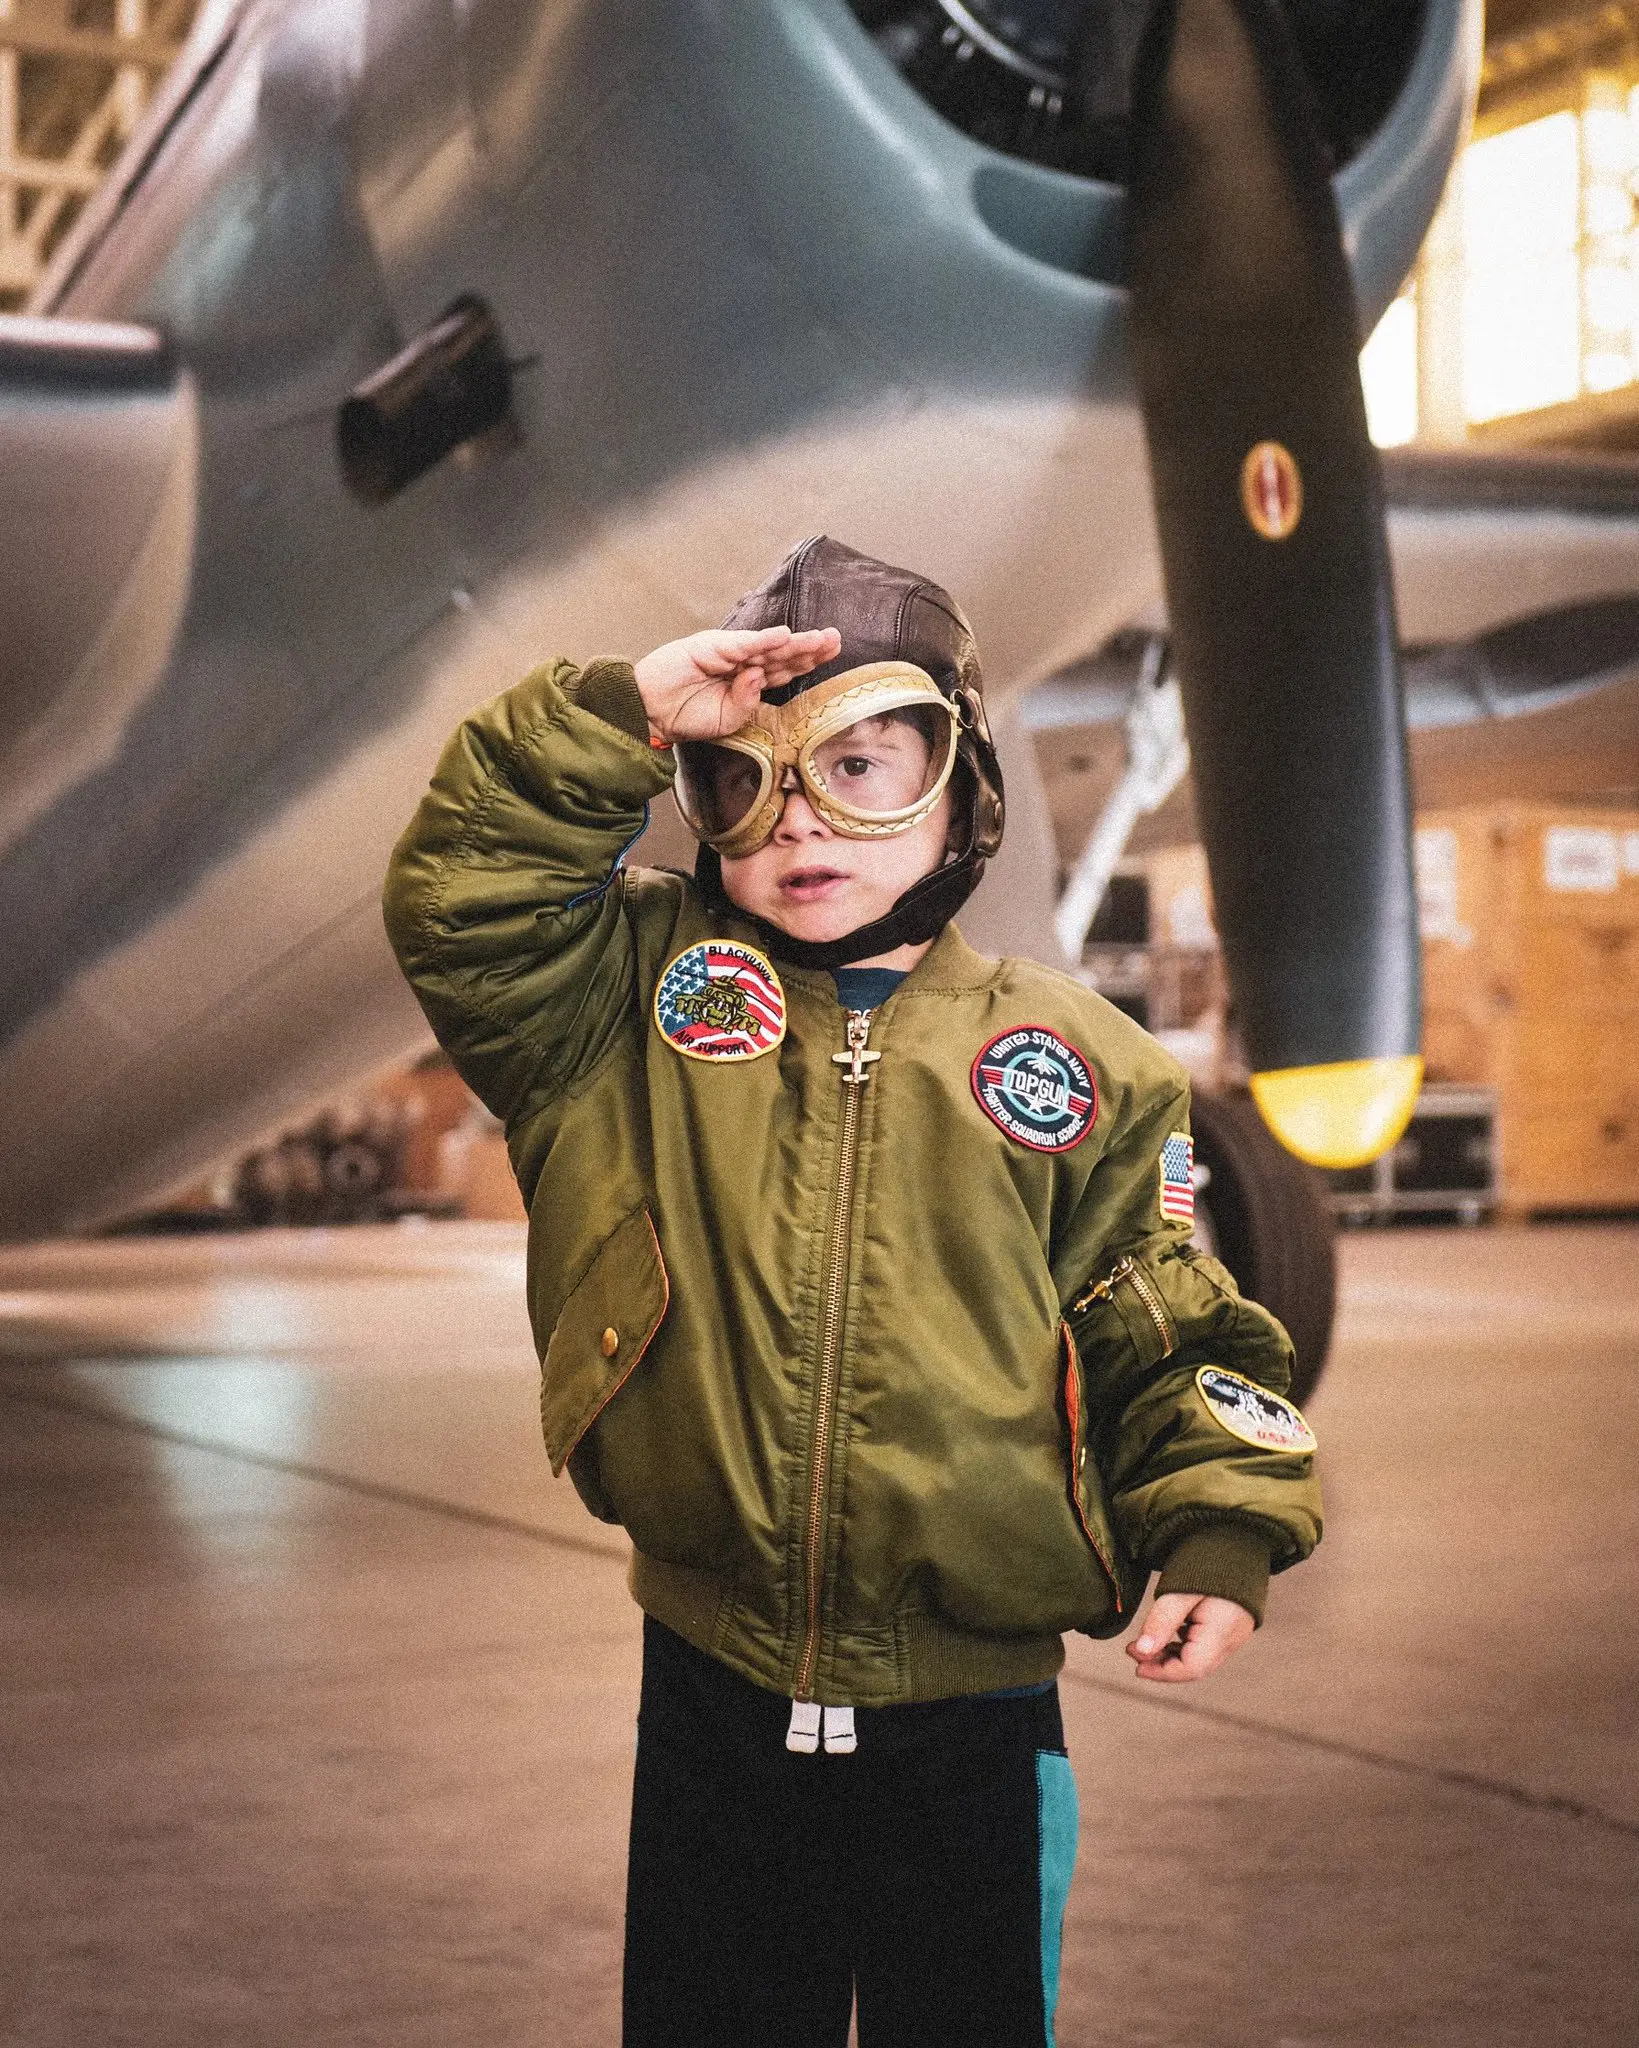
(1253, 1413)
(1036, 1087)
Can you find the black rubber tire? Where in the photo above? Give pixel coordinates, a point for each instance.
(1265, 1215)
(355, 1175)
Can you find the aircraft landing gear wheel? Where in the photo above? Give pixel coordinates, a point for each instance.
(1264, 1214)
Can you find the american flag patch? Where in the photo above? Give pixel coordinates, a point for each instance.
(1178, 1179)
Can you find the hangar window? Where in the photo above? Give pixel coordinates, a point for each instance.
(1521, 322)
(1388, 371)
(1521, 335)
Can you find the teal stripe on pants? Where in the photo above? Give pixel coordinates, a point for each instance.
(1058, 1822)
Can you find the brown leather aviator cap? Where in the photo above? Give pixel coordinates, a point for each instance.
(884, 614)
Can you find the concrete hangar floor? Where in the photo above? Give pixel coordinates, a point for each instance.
(317, 1697)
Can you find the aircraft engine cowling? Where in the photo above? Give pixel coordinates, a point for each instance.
(1050, 80)
(1048, 83)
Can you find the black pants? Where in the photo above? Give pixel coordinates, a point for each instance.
(927, 1871)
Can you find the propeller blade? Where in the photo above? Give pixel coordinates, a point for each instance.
(1269, 504)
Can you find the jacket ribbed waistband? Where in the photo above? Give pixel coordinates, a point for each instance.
(921, 1657)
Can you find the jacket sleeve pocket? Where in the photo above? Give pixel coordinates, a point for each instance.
(1160, 1305)
(602, 1331)
(1170, 1461)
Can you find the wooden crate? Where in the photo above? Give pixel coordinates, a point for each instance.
(1180, 892)
(1530, 917)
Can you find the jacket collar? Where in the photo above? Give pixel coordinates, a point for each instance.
(949, 966)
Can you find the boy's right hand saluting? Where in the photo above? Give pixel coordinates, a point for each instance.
(706, 686)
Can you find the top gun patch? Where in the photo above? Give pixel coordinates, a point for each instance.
(1036, 1088)
(1252, 1413)
(720, 1001)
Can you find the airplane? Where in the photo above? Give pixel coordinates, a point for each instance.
(411, 341)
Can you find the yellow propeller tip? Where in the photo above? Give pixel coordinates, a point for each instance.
(1347, 1114)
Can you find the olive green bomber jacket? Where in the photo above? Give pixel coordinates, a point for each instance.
(885, 1399)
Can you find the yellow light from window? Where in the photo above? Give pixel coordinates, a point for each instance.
(1522, 339)
(1610, 306)
(1388, 375)
(1607, 290)
(1607, 141)
(1609, 209)
(1521, 217)
(1607, 369)
(1520, 192)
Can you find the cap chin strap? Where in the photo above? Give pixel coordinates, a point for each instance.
(919, 915)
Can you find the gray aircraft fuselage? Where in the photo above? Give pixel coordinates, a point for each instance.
(752, 286)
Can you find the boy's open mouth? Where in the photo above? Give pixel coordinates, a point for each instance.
(811, 884)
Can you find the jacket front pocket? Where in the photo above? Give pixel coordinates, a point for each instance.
(602, 1331)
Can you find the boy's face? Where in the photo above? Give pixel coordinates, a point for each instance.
(816, 884)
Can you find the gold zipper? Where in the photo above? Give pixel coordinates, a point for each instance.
(1129, 1270)
(858, 1061)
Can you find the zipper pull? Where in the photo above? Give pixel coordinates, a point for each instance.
(840, 1739)
(856, 1059)
(807, 1719)
(1128, 1270)
(1103, 1290)
(804, 1733)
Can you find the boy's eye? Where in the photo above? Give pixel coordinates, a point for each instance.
(879, 764)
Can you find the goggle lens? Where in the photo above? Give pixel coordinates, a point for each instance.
(871, 774)
(884, 763)
(718, 787)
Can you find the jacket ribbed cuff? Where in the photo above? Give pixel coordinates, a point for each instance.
(608, 689)
(1224, 1559)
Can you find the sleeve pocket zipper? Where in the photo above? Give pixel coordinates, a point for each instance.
(1127, 1273)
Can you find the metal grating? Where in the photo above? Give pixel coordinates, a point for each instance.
(75, 76)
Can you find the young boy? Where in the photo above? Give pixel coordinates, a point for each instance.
(860, 1273)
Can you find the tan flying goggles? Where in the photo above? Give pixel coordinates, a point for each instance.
(872, 750)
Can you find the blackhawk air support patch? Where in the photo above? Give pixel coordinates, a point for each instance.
(720, 1001)
(1253, 1413)
(1037, 1088)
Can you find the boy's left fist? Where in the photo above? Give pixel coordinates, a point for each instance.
(1188, 1635)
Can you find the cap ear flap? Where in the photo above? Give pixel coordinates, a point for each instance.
(964, 810)
(989, 815)
(979, 756)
